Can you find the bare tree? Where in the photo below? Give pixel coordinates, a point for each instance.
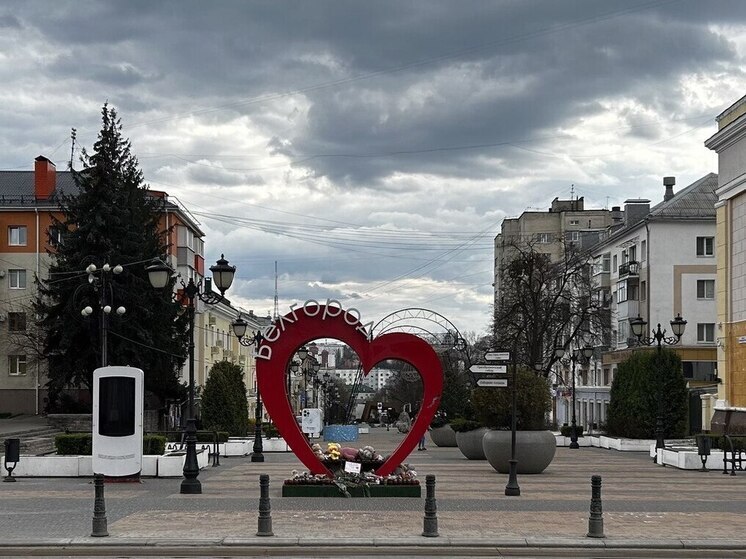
(546, 302)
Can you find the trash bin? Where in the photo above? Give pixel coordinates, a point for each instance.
(12, 450)
(12, 455)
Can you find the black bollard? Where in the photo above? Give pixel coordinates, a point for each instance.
(430, 529)
(100, 528)
(596, 520)
(265, 517)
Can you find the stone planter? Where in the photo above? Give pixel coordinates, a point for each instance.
(534, 450)
(470, 443)
(443, 436)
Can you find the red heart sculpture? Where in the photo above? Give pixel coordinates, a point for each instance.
(321, 321)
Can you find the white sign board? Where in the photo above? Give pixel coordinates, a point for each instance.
(489, 369)
(493, 382)
(352, 467)
(117, 421)
(497, 356)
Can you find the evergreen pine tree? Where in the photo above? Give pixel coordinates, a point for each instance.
(224, 405)
(113, 219)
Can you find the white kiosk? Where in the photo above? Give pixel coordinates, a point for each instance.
(117, 421)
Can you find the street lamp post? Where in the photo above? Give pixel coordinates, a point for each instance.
(658, 338)
(574, 356)
(104, 288)
(307, 366)
(159, 274)
(239, 329)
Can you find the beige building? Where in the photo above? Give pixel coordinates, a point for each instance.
(566, 222)
(730, 144)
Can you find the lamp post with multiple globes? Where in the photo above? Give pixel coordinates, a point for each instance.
(239, 329)
(574, 357)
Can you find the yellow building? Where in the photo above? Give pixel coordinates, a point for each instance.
(730, 144)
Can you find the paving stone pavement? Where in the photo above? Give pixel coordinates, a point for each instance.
(642, 503)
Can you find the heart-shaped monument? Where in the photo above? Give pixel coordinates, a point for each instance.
(314, 321)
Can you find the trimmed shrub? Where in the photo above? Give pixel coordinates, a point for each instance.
(493, 406)
(566, 430)
(153, 444)
(73, 444)
(461, 425)
(208, 437)
(224, 406)
(633, 399)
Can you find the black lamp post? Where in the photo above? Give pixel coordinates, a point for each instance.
(239, 329)
(308, 367)
(678, 325)
(104, 288)
(159, 274)
(587, 353)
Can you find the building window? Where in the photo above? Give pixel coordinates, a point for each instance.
(543, 238)
(633, 253)
(613, 263)
(643, 290)
(643, 250)
(17, 365)
(55, 236)
(17, 235)
(17, 279)
(621, 292)
(706, 332)
(705, 289)
(607, 376)
(705, 246)
(17, 321)
(574, 222)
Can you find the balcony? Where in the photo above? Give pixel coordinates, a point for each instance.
(627, 309)
(601, 280)
(629, 269)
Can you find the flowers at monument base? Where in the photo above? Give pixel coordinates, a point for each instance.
(337, 457)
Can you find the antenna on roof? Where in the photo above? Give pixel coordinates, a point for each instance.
(73, 137)
(572, 191)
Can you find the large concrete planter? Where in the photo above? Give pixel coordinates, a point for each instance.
(470, 443)
(534, 450)
(443, 436)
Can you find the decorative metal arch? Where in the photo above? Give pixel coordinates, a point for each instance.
(409, 320)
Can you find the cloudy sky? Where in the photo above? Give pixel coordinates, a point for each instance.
(373, 148)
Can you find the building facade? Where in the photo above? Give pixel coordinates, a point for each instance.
(29, 202)
(730, 144)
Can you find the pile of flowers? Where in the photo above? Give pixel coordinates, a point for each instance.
(335, 457)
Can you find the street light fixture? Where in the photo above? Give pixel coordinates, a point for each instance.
(105, 290)
(159, 274)
(239, 329)
(587, 353)
(658, 338)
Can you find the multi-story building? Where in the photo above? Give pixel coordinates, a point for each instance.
(655, 263)
(567, 222)
(730, 144)
(29, 200)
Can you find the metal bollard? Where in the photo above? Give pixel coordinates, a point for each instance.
(596, 520)
(431, 517)
(265, 517)
(100, 528)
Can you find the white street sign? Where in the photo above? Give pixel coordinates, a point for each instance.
(487, 369)
(493, 382)
(497, 356)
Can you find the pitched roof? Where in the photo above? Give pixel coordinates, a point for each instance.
(18, 186)
(695, 201)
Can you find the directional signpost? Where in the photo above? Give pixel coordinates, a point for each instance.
(493, 382)
(497, 356)
(489, 369)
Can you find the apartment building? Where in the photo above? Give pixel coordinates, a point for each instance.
(729, 142)
(654, 263)
(566, 222)
(29, 200)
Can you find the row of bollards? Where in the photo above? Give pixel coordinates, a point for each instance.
(430, 520)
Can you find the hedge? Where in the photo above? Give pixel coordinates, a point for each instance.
(566, 430)
(461, 425)
(79, 444)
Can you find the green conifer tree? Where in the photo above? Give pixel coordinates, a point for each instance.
(114, 219)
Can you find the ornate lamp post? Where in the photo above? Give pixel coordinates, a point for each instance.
(587, 353)
(159, 274)
(239, 329)
(658, 338)
(308, 367)
(104, 288)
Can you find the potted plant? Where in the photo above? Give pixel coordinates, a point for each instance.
(535, 444)
(469, 434)
(440, 431)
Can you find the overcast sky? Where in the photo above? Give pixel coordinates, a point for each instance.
(373, 148)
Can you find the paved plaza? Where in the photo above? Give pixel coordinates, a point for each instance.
(677, 513)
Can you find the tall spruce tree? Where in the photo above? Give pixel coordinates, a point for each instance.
(113, 219)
